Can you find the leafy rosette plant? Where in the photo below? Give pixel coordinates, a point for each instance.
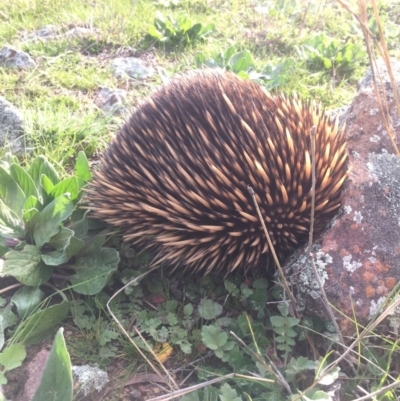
(177, 33)
(41, 227)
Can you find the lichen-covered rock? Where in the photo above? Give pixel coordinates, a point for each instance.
(11, 127)
(362, 250)
(13, 58)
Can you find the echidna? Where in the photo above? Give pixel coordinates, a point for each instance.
(175, 177)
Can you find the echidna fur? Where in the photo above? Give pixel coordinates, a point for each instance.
(175, 177)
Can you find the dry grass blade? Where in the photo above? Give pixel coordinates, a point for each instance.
(171, 382)
(274, 371)
(382, 49)
(378, 392)
(271, 246)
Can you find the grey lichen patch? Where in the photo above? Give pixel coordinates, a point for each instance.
(383, 211)
(347, 209)
(375, 138)
(306, 281)
(351, 265)
(393, 317)
(375, 305)
(91, 378)
(357, 217)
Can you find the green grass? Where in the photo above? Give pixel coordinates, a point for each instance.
(71, 70)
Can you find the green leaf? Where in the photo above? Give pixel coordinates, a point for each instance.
(32, 202)
(11, 193)
(80, 227)
(11, 226)
(49, 171)
(213, 337)
(47, 185)
(40, 166)
(94, 270)
(35, 169)
(66, 245)
(37, 326)
(328, 378)
(154, 33)
(209, 309)
(26, 299)
(297, 366)
(56, 383)
(277, 321)
(227, 393)
(82, 169)
(30, 218)
(188, 310)
(24, 180)
(27, 266)
(48, 223)
(12, 356)
(68, 185)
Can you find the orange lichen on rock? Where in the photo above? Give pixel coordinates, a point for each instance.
(368, 276)
(382, 267)
(390, 282)
(369, 291)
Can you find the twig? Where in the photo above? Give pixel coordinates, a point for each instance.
(271, 247)
(310, 241)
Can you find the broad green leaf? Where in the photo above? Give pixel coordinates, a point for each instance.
(56, 383)
(68, 185)
(26, 299)
(12, 356)
(229, 53)
(154, 33)
(24, 180)
(49, 171)
(208, 309)
(30, 218)
(32, 202)
(35, 169)
(67, 246)
(26, 266)
(11, 193)
(94, 270)
(37, 326)
(46, 185)
(82, 169)
(10, 224)
(39, 167)
(50, 218)
(80, 226)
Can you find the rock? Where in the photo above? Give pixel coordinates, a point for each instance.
(33, 375)
(81, 33)
(111, 101)
(11, 130)
(359, 257)
(13, 58)
(132, 67)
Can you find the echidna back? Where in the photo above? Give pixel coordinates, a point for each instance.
(175, 177)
